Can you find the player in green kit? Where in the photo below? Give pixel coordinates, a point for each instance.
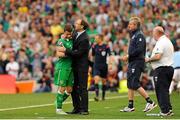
(63, 76)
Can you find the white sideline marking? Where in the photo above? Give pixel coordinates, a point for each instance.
(45, 105)
(107, 107)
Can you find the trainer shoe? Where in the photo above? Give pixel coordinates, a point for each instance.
(60, 112)
(170, 113)
(170, 110)
(127, 109)
(149, 107)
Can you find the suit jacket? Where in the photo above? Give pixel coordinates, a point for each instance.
(80, 51)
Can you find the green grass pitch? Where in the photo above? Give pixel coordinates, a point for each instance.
(40, 106)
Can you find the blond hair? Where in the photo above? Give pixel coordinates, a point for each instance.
(136, 20)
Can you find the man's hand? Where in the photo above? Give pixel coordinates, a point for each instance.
(156, 57)
(60, 54)
(60, 49)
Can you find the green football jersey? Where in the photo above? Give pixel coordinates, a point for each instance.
(65, 62)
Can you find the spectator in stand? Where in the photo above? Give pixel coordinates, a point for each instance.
(34, 25)
(112, 73)
(122, 75)
(25, 75)
(22, 59)
(45, 84)
(37, 74)
(3, 62)
(12, 67)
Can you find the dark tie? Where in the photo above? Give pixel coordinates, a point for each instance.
(75, 35)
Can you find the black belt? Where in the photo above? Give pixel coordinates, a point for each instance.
(177, 68)
(164, 67)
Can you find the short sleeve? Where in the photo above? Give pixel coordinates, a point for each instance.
(158, 48)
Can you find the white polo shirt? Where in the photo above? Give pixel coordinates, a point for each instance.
(165, 47)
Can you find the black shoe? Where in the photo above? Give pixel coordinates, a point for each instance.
(84, 113)
(74, 112)
(103, 99)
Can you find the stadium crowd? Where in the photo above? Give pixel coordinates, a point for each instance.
(29, 30)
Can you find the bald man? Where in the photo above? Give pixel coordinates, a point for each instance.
(162, 61)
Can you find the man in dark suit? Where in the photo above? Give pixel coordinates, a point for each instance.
(79, 55)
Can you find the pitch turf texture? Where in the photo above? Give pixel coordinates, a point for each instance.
(41, 106)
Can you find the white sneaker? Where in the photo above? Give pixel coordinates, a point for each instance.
(170, 113)
(149, 107)
(127, 109)
(60, 112)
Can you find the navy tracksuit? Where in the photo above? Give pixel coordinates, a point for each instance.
(136, 59)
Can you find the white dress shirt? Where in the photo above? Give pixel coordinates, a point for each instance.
(79, 33)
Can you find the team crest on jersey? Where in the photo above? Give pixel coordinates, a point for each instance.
(103, 53)
(60, 43)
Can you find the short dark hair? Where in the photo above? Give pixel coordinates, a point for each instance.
(68, 27)
(84, 24)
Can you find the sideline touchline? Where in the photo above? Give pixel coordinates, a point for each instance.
(44, 105)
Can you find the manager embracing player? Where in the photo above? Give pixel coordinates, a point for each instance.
(79, 55)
